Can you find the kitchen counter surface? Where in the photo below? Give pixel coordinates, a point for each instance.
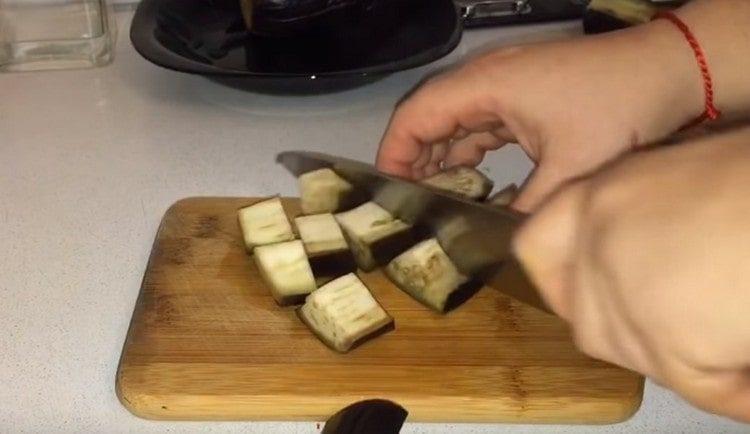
(91, 159)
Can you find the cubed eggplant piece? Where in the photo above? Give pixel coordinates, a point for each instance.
(461, 180)
(323, 191)
(264, 223)
(372, 416)
(504, 197)
(343, 314)
(374, 235)
(286, 270)
(607, 15)
(325, 245)
(426, 273)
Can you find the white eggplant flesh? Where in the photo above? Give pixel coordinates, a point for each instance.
(285, 269)
(504, 197)
(264, 223)
(461, 180)
(426, 273)
(323, 191)
(343, 314)
(325, 245)
(374, 235)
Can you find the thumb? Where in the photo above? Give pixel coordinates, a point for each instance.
(546, 246)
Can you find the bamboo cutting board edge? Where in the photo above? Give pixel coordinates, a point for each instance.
(138, 380)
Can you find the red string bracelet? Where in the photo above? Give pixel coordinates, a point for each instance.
(710, 112)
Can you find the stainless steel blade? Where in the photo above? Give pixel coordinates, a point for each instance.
(475, 236)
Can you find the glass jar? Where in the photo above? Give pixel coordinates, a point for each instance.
(55, 34)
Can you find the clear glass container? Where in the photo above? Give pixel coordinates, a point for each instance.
(55, 34)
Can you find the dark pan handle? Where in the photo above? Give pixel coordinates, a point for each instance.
(482, 13)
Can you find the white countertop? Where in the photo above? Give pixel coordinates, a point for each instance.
(89, 162)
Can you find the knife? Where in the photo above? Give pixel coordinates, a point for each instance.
(476, 236)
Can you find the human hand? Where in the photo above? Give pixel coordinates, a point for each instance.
(648, 262)
(572, 106)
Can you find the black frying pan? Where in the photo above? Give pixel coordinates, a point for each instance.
(208, 37)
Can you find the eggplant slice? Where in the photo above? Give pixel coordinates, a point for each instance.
(463, 181)
(504, 197)
(373, 416)
(426, 273)
(325, 245)
(323, 191)
(264, 223)
(343, 314)
(285, 18)
(286, 270)
(374, 235)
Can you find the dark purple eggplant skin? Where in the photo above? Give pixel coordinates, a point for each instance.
(389, 247)
(289, 17)
(292, 300)
(462, 294)
(384, 250)
(455, 299)
(329, 265)
(373, 416)
(288, 10)
(601, 21)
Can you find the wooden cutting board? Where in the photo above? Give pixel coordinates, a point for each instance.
(207, 341)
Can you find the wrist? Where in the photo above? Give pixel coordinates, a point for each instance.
(677, 85)
(721, 28)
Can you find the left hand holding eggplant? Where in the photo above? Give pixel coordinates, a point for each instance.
(573, 106)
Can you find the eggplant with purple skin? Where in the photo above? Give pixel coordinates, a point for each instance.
(426, 273)
(285, 269)
(608, 15)
(373, 416)
(343, 314)
(374, 235)
(463, 181)
(289, 17)
(326, 247)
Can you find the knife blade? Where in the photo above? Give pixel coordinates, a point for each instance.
(476, 236)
